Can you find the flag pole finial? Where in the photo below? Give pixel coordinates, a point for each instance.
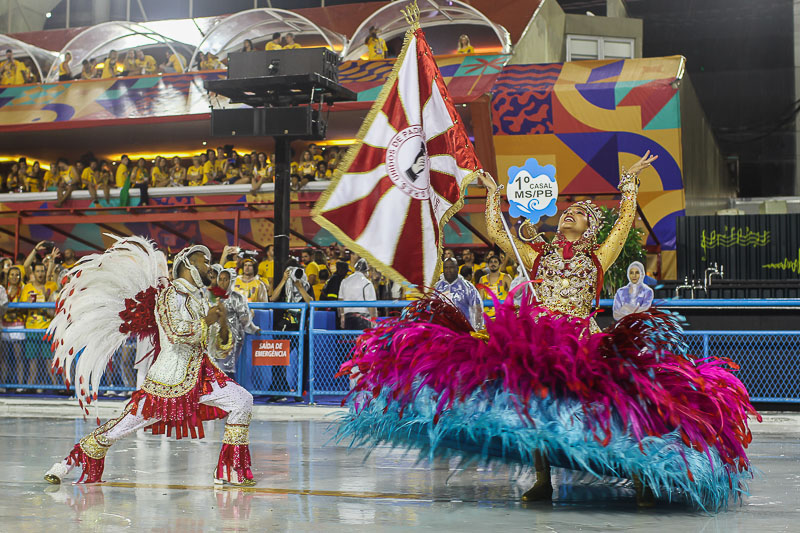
(411, 13)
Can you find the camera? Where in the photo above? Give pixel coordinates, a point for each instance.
(47, 247)
(248, 254)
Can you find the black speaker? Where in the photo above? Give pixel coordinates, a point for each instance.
(242, 65)
(301, 121)
(237, 122)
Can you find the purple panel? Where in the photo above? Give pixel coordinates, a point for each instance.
(606, 71)
(599, 94)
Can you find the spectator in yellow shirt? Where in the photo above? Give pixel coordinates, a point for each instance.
(111, 66)
(87, 70)
(209, 61)
(50, 180)
(122, 171)
(33, 180)
(376, 47)
(275, 43)
(316, 153)
(88, 177)
(69, 180)
(194, 174)
(160, 174)
(312, 267)
(64, 72)
(290, 42)
(145, 64)
(175, 63)
(102, 180)
(177, 174)
(266, 268)
(463, 45)
(140, 175)
(129, 67)
(323, 173)
(38, 290)
(212, 169)
(248, 284)
(14, 72)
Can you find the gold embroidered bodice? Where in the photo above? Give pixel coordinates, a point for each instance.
(568, 286)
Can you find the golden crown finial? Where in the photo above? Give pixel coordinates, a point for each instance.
(411, 13)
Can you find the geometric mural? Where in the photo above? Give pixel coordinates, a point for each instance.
(591, 118)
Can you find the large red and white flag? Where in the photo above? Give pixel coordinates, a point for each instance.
(406, 175)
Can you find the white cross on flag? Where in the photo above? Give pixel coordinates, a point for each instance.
(406, 175)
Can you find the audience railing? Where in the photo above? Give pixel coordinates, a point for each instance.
(300, 348)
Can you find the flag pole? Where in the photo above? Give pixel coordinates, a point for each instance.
(510, 236)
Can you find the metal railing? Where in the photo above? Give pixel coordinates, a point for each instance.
(769, 360)
(329, 348)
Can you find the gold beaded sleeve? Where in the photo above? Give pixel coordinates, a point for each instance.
(497, 233)
(608, 252)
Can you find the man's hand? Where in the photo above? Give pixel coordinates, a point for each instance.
(213, 315)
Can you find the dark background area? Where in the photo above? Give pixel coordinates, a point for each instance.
(740, 59)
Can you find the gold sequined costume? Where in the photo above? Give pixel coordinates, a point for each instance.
(569, 285)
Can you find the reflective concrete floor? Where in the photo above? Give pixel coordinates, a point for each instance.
(156, 484)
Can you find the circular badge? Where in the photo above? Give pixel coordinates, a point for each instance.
(407, 163)
(532, 191)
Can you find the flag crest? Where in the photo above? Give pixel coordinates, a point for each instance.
(406, 175)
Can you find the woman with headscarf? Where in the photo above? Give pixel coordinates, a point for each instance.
(634, 297)
(239, 319)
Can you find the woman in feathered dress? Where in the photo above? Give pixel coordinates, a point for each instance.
(543, 385)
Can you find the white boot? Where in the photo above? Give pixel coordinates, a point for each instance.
(57, 472)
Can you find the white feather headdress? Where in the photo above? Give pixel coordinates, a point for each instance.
(87, 321)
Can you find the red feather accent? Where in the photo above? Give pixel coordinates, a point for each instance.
(139, 318)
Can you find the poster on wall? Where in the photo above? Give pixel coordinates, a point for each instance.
(748, 247)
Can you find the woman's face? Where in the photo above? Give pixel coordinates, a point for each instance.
(224, 280)
(13, 277)
(176, 161)
(306, 156)
(635, 275)
(574, 218)
(262, 158)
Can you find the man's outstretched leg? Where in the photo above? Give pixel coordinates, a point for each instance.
(235, 453)
(90, 452)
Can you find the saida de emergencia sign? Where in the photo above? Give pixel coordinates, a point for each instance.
(532, 191)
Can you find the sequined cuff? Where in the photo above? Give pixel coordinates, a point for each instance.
(628, 182)
(236, 434)
(92, 447)
(224, 347)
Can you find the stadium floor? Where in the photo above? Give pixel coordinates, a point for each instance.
(306, 484)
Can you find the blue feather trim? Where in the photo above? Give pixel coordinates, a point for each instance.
(489, 428)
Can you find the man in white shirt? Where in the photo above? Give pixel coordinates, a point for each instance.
(357, 288)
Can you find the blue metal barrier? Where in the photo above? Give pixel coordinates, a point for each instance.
(329, 348)
(276, 380)
(769, 361)
(25, 360)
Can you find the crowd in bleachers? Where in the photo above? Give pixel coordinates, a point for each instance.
(212, 167)
(143, 62)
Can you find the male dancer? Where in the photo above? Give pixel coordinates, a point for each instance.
(183, 386)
